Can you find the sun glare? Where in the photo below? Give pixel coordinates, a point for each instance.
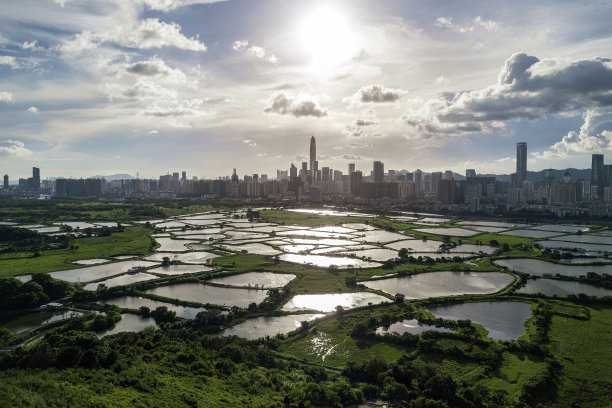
(327, 38)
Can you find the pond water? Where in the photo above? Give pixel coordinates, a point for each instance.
(237, 235)
(46, 230)
(179, 269)
(586, 239)
(76, 224)
(121, 280)
(92, 261)
(30, 321)
(586, 260)
(380, 236)
(503, 320)
(170, 224)
(339, 230)
(259, 279)
(326, 261)
(23, 278)
(132, 302)
(328, 302)
(551, 287)
(470, 248)
(197, 292)
(565, 245)
(435, 255)
(324, 241)
(97, 272)
(453, 232)
(542, 268)
(173, 245)
(443, 283)
(493, 224)
(198, 231)
(526, 233)
(255, 248)
(358, 226)
(561, 228)
(201, 237)
(378, 254)
(313, 234)
(129, 323)
(253, 329)
(331, 213)
(412, 326)
(416, 245)
(296, 249)
(196, 257)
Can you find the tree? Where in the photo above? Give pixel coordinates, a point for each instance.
(403, 253)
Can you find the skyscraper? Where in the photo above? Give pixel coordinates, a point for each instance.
(184, 176)
(292, 172)
(597, 173)
(379, 172)
(6, 181)
(351, 168)
(35, 178)
(521, 162)
(313, 157)
(470, 173)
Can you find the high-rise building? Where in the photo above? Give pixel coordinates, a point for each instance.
(35, 178)
(6, 181)
(175, 176)
(184, 176)
(608, 175)
(325, 174)
(313, 157)
(356, 183)
(351, 168)
(379, 172)
(470, 173)
(597, 173)
(292, 172)
(448, 174)
(521, 162)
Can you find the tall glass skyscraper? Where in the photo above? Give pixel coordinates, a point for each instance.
(313, 157)
(521, 162)
(597, 173)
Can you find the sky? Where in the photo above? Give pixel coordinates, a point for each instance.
(93, 87)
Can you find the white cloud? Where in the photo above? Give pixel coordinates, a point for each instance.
(175, 108)
(143, 34)
(299, 105)
(30, 45)
(442, 80)
(256, 50)
(376, 94)
(595, 136)
(7, 97)
(8, 60)
(14, 148)
(527, 88)
(477, 23)
(155, 68)
(33, 109)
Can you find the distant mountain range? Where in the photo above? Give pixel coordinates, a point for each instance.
(114, 177)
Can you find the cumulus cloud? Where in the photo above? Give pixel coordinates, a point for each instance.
(355, 129)
(7, 97)
(168, 5)
(527, 88)
(33, 109)
(477, 23)
(594, 136)
(376, 94)
(255, 50)
(299, 105)
(142, 34)
(155, 68)
(8, 60)
(14, 148)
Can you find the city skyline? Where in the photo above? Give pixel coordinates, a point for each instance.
(203, 86)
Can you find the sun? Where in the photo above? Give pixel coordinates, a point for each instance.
(327, 38)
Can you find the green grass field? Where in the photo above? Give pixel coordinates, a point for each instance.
(134, 240)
